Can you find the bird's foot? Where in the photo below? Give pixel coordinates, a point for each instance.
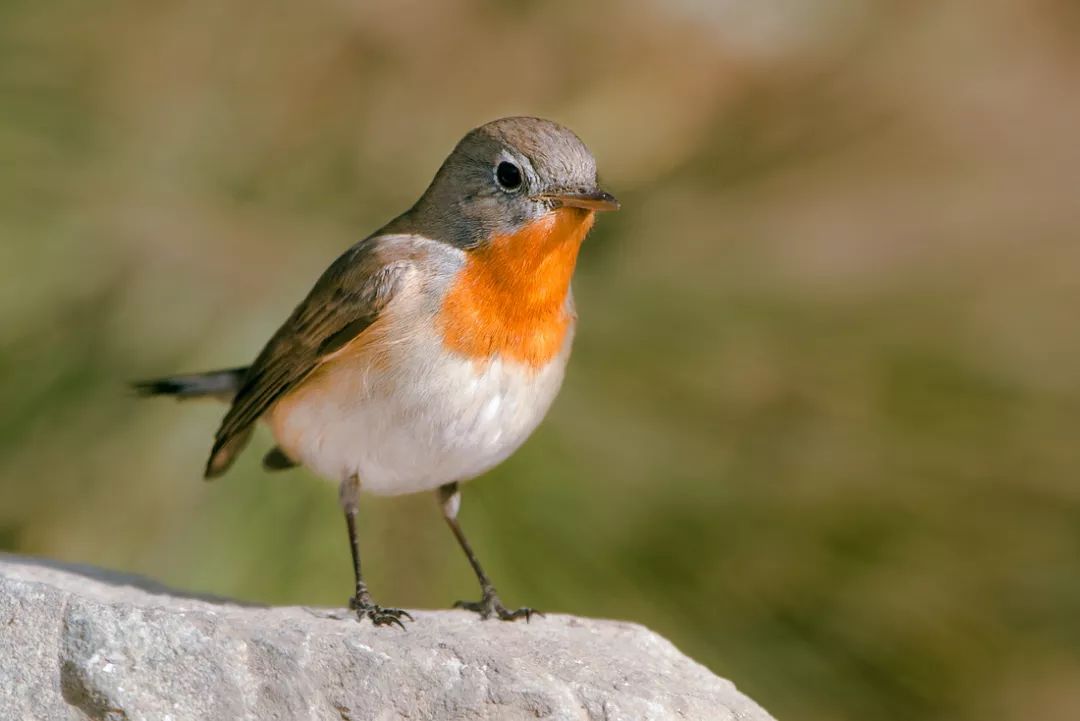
(490, 605)
(363, 607)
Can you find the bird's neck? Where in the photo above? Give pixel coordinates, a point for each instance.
(510, 299)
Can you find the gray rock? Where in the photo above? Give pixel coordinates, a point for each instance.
(77, 642)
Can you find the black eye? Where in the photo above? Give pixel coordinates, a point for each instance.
(508, 175)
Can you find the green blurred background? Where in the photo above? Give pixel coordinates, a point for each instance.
(820, 426)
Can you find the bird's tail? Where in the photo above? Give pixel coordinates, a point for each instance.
(222, 385)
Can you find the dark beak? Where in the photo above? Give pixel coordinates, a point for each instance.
(589, 200)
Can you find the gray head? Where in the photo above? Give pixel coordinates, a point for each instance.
(504, 175)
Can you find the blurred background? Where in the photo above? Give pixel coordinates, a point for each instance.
(820, 426)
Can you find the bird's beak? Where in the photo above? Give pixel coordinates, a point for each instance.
(589, 200)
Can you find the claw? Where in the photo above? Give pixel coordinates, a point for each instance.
(379, 616)
(525, 611)
(380, 619)
(490, 605)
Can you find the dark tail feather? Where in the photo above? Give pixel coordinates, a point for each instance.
(217, 384)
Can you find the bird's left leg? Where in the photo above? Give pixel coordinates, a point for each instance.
(489, 604)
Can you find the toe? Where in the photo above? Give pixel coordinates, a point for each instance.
(484, 609)
(387, 617)
(525, 612)
(396, 613)
(379, 616)
(388, 621)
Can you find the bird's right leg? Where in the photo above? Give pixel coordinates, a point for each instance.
(361, 603)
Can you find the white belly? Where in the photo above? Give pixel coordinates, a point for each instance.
(416, 418)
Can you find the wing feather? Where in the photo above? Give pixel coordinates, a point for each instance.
(344, 303)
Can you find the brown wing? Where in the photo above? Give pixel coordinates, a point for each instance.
(344, 302)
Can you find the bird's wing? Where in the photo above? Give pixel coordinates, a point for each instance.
(345, 301)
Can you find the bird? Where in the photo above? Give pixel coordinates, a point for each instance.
(429, 351)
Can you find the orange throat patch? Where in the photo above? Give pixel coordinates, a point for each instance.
(510, 299)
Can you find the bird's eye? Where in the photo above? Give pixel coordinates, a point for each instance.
(508, 175)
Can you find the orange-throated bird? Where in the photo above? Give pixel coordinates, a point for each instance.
(429, 351)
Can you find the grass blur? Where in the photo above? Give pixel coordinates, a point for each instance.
(820, 427)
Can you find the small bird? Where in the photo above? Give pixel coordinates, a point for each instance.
(430, 350)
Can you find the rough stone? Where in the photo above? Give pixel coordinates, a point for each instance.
(80, 643)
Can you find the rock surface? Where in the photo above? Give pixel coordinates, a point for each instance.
(82, 643)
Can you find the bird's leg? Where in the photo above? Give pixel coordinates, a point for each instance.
(361, 603)
(489, 604)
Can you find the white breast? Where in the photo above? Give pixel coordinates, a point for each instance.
(413, 417)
